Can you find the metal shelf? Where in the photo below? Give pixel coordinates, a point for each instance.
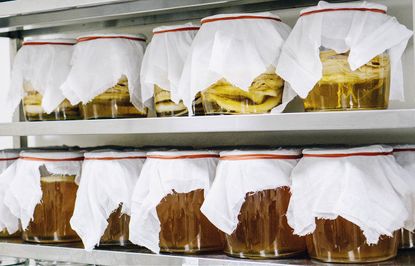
(139, 256)
(132, 13)
(358, 127)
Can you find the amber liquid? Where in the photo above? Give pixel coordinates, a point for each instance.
(113, 103)
(33, 111)
(117, 229)
(340, 88)
(406, 239)
(342, 241)
(184, 229)
(51, 217)
(263, 231)
(263, 95)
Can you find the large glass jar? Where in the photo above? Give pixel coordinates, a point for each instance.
(342, 89)
(263, 95)
(117, 229)
(342, 241)
(50, 223)
(113, 103)
(263, 231)
(184, 229)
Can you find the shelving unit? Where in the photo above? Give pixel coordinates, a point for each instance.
(361, 127)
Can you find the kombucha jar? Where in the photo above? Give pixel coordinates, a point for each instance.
(342, 89)
(405, 157)
(217, 65)
(333, 61)
(105, 76)
(51, 218)
(166, 203)
(341, 241)
(162, 68)
(257, 228)
(338, 203)
(103, 203)
(39, 69)
(42, 195)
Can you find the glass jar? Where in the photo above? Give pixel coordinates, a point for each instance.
(406, 239)
(33, 111)
(50, 223)
(263, 231)
(341, 89)
(184, 229)
(117, 229)
(340, 241)
(113, 103)
(263, 95)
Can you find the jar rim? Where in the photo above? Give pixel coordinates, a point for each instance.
(373, 150)
(329, 7)
(241, 16)
(131, 37)
(51, 156)
(108, 155)
(59, 41)
(176, 28)
(175, 154)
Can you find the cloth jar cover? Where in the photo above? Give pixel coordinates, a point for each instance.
(45, 64)
(163, 173)
(164, 59)
(23, 192)
(7, 158)
(240, 172)
(98, 63)
(405, 156)
(107, 180)
(363, 185)
(362, 28)
(236, 47)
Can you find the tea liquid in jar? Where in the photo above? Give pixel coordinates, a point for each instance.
(184, 229)
(342, 241)
(50, 223)
(263, 231)
(113, 103)
(117, 229)
(340, 88)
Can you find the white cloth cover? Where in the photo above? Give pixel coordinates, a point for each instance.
(240, 172)
(164, 59)
(24, 191)
(45, 64)
(162, 173)
(7, 158)
(99, 61)
(365, 34)
(405, 156)
(364, 186)
(107, 180)
(238, 50)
